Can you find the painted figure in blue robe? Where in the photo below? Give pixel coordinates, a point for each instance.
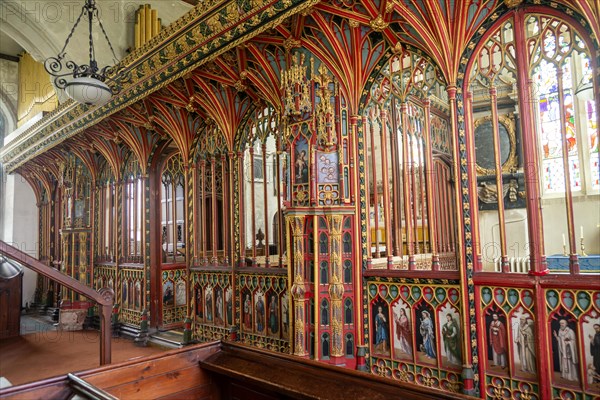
(260, 314)
(426, 330)
(381, 331)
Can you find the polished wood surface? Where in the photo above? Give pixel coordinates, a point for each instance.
(261, 374)
(104, 298)
(174, 374)
(170, 375)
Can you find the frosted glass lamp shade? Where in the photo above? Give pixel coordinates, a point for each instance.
(88, 91)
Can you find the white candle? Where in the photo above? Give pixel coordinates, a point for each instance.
(581, 231)
(564, 240)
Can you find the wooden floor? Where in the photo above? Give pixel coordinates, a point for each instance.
(44, 352)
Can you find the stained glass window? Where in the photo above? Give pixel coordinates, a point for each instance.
(592, 130)
(557, 52)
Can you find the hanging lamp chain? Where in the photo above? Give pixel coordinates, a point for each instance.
(62, 72)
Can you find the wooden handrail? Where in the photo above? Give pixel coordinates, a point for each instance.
(104, 297)
(88, 390)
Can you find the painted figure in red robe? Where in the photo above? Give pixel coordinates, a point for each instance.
(498, 341)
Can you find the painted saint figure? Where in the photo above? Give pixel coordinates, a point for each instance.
(273, 317)
(209, 304)
(247, 313)
(403, 332)
(219, 307)
(567, 350)
(301, 167)
(595, 352)
(199, 302)
(167, 293)
(260, 314)
(426, 330)
(498, 342)
(451, 336)
(229, 305)
(525, 341)
(381, 331)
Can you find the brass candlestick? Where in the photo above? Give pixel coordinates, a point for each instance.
(582, 248)
(565, 250)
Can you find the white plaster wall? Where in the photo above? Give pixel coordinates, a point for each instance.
(41, 27)
(9, 81)
(9, 74)
(516, 235)
(586, 210)
(21, 226)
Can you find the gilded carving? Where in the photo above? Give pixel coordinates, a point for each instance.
(70, 118)
(378, 24)
(291, 43)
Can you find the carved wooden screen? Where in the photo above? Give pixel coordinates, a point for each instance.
(263, 171)
(405, 124)
(531, 83)
(213, 245)
(173, 211)
(133, 192)
(106, 215)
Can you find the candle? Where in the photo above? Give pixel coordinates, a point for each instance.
(581, 231)
(564, 240)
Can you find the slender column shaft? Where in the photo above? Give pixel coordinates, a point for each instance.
(499, 184)
(386, 189)
(406, 187)
(429, 177)
(573, 258)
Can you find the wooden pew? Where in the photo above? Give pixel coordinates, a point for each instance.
(247, 373)
(224, 370)
(173, 374)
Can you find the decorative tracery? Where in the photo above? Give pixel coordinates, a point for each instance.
(173, 236)
(401, 141)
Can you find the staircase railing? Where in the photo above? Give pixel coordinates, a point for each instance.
(104, 297)
(87, 390)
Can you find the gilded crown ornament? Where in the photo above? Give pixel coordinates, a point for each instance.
(295, 86)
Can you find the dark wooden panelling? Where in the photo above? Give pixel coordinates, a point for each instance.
(255, 374)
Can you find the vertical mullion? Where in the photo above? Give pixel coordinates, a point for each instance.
(422, 200)
(573, 258)
(266, 202)
(203, 208)
(173, 194)
(280, 226)
(213, 208)
(241, 207)
(136, 219)
(499, 184)
(413, 183)
(396, 217)
(429, 176)
(386, 191)
(406, 186)
(375, 191)
(224, 207)
(252, 204)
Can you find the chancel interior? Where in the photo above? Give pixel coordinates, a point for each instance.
(405, 188)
